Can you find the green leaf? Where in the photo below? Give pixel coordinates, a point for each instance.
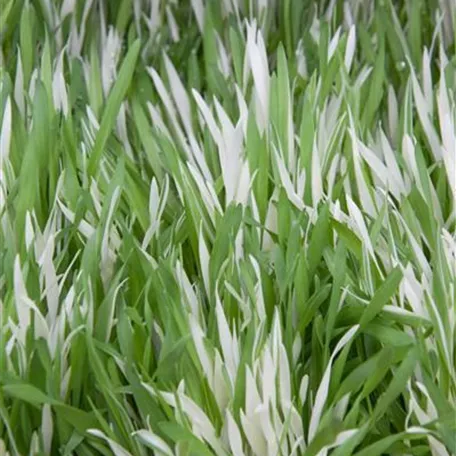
(318, 241)
(115, 99)
(382, 296)
(177, 433)
(27, 393)
(397, 384)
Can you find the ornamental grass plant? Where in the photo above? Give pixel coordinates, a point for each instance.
(227, 227)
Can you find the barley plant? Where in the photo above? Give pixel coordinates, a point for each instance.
(227, 227)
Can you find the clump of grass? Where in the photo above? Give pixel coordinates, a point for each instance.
(227, 227)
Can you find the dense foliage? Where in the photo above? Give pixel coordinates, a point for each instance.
(227, 227)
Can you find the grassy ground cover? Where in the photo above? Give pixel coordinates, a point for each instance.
(227, 227)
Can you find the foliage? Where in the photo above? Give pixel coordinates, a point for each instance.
(227, 227)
